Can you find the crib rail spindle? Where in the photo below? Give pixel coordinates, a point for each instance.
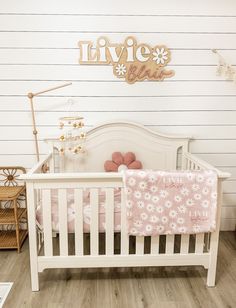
(109, 221)
(139, 245)
(184, 246)
(124, 234)
(63, 233)
(79, 239)
(94, 221)
(170, 240)
(155, 244)
(47, 222)
(199, 244)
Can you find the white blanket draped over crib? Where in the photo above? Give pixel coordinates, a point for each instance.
(170, 202)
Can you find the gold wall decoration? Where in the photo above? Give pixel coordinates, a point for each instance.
(131, 61)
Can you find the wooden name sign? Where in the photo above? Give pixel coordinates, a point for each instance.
(130, 61)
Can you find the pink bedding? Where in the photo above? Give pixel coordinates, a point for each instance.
(176, 202)
(86, 211)
(158, 202)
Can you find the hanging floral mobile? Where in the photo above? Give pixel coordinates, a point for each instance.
(72, 137)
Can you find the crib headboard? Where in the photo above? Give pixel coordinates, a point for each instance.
(153, 149)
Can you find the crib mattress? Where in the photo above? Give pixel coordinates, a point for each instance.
(86, 211)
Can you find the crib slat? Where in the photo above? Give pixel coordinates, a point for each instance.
(94, 221)
(62, 163)
(188, 164)
(170, 240)
(139, 245)
(155, 244)
(191, 165)
(79, 239)
(109, 221)
(184, 246)
(124, 234)
(199, 245)
(52, 164)
(47, 222)
(62, 210)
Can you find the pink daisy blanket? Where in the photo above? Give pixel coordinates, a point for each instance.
(170, 202)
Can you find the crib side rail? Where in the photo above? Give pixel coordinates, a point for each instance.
(192, 162)
(41, 167)
(108, 183)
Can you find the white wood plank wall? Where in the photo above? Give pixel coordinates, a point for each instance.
(38, 49)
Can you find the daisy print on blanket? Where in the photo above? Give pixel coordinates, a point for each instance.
(131, 61)
(184, 202)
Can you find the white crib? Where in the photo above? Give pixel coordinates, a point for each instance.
(156, 151)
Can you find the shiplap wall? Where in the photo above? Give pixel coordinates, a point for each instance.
(38, 49)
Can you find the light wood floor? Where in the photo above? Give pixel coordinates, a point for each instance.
(125, 288)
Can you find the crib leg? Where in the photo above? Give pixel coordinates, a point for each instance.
(31, 198)
(211, 274)
(214, 242)
(34, 282)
